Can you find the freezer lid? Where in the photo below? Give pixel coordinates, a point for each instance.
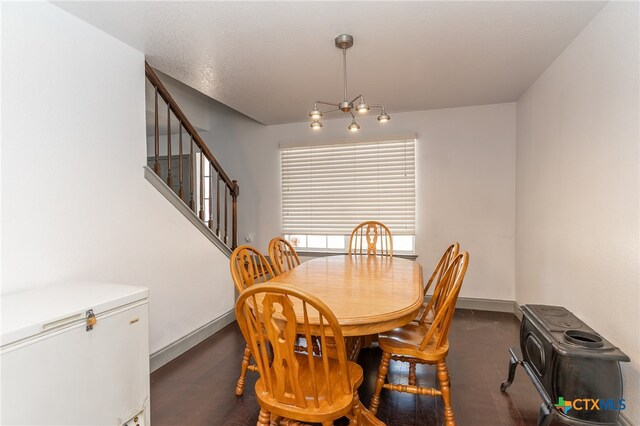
(43, 309)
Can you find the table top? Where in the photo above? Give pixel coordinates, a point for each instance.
(367, 294)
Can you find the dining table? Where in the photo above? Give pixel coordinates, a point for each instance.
(367, 294)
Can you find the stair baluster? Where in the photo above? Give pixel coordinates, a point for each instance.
(180, 167)
(169, 146)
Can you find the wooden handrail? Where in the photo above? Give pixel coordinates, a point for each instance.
(219, 175)
(164, 93)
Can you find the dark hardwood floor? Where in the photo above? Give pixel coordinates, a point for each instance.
(197, 388)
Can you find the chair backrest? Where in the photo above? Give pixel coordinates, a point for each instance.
(436, 277)
(450, 288)
(249, 267)
(371, 238)
(283, 256)
(266, 314)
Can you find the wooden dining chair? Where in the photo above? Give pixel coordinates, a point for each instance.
(432, 303)
(248, 267)
(423, 343)
(371, 238)
(293, 385)
(283, 256)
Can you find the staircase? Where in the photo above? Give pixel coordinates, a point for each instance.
(183, 169)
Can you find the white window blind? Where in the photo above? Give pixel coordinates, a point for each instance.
(329, 189)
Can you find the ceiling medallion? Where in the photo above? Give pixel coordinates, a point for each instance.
(345, 41)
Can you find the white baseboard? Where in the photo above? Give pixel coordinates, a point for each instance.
(180, 346)
(625, 421)
(492, 305)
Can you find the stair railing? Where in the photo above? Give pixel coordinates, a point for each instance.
(204, 172)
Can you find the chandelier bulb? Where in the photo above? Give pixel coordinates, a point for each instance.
(315, 114)
(362, 107)
(354, 127)
(384, 117)
(316, 125)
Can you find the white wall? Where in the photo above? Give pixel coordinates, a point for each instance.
(465, 179)
(75, 203)
(577, 192)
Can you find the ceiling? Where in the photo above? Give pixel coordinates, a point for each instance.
(271, 60)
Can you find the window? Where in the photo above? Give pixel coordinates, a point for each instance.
(206, 177)
(329, 189)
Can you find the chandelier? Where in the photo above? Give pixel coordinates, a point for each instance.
(345, 41)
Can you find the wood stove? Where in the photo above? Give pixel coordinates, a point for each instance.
(574, 369)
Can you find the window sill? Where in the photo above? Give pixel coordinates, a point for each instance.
(409, 256)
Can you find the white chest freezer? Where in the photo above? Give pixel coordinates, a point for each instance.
(75, 354)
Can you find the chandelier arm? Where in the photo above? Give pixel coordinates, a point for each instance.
(377, 106)
(356, 98)
(327, 103)
(331, 110)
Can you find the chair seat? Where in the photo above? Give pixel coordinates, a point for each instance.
(406, 340)
(340, 406)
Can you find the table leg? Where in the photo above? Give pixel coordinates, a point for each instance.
(352, 344)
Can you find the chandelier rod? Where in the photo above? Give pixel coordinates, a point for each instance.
(344, 73)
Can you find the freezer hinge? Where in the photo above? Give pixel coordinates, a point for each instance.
(91, 319)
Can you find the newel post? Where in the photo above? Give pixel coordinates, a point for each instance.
(234, 209)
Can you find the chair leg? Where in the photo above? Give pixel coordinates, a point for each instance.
(243, 371)
(264, 419)
(443, 378)
(412, 372)
(382, 373)
(355, 420)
